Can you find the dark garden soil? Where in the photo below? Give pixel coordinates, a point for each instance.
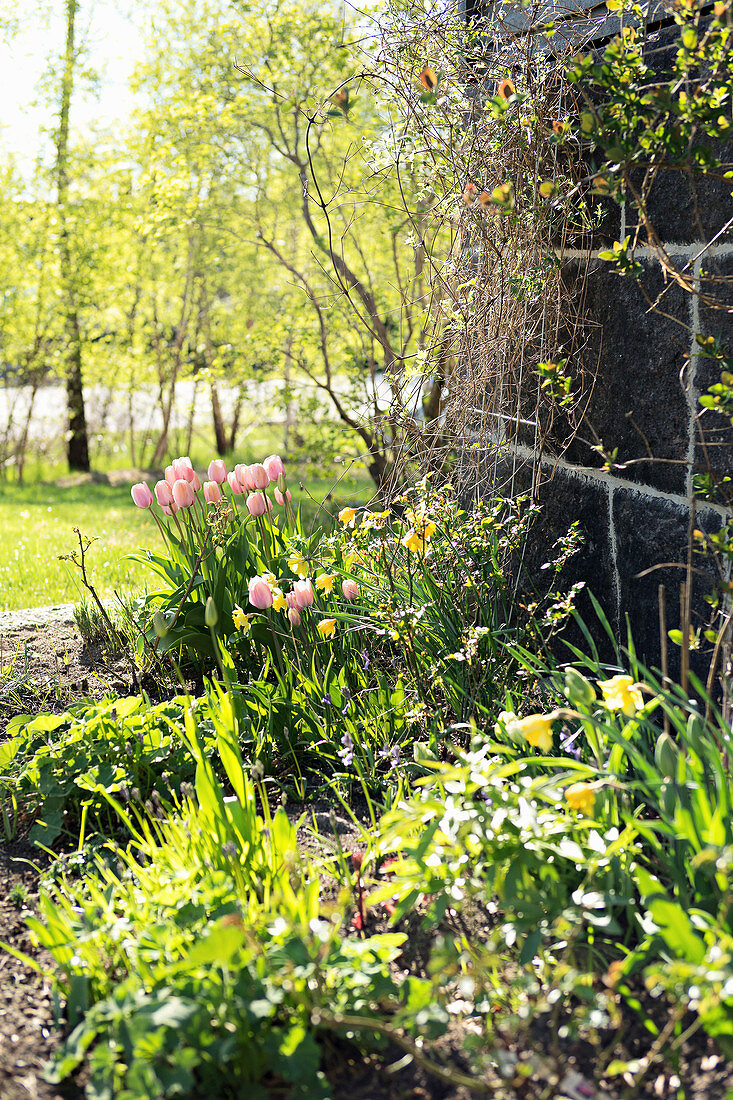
(45, 666)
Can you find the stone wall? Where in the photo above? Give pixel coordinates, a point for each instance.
(636, 520)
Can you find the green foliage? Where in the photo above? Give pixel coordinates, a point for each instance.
(68, 765)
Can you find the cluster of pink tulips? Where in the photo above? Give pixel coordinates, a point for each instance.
(181, 484)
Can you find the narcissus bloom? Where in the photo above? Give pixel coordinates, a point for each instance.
(279, 603)
(273, 464)
(260, 593)
(581, 797)
(240, 620)
(536, 729)
(621, 693)
(327, 627)
(347, 516)
(218, 471)
(141, 495)
(413, 541)
(325, 582)
(298, 564)
(350, 589)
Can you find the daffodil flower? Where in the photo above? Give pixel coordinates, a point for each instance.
(279, 603)
(581, 797)
(240, 620)
(621, 693)
(327, 628)
(298, 564)
(325, 582)
(347, 516)
(535, 729)
(413, 541)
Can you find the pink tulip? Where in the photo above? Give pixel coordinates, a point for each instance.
(141, 495)
(244, 473)
(291, 600)
(256, 504)
(181, 470)
(280, 498)
(294, 616)
(170, 477)
(259, 476)
(212, 492)
(182, 493)
(304, 595)
(234, 485)
(170, 509)
(218, 471)
(260, 593)
(273, 466)
(163, 494)
(350, 589)
(196, 482)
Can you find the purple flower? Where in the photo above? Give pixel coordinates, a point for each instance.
(365, 659)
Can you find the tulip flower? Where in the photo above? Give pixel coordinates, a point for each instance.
(244, 474)
(304, 593)
(273, 466)
(280, 498)
(234, 483)
(212, 492)
(170, 477)
(259, 476)
(350, 589)
(183, 493)
(294, 616)
(141, 495)
(621, 693)
(170, 509)
(260, 593)
(327, 627)
(196, 482)
(163, 494)
(256, 504)
(347, 516)
(218, 471)
(182, 469)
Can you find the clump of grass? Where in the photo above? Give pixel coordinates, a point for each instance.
(109, 635)
(18, 896)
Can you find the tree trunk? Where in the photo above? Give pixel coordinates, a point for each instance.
(77, 440)
(219, 428)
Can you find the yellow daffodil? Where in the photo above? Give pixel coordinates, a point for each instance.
(621, 693)
(413, 541)
(347, 516)
(581, 797)
(279, 603)
(374, 520)
(270, 578)
(536, 729)
(240, 620)
(422, 524)
(325, 582)
(298, 564)
(327, 627)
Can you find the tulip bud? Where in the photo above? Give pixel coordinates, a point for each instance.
(273, 466)
(665, 756)
(160, 624)
(141, 495)
(259, 476)
(350, 589)
(163, 494)
(182, 493)
(217, 471)
(304, 594)
(260, 593)
(294, 616)
(578, 690)
(212, 492)
(280, 498)
(256, 504)
(211, 615)
(234, 483)
(195, 482)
